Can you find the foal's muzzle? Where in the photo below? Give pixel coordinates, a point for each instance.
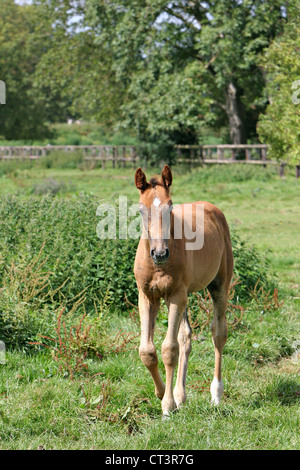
(159, 257)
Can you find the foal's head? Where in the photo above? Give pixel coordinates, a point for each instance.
(155, 206)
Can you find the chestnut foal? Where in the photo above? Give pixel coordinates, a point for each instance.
(169, 266)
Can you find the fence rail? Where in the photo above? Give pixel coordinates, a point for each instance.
(117, 154)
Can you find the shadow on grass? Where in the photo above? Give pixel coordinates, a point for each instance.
(288, 392)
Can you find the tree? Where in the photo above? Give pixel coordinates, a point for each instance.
(24, 38)
(167, 69)
(188, 64)
(279, 127)
(76, 67)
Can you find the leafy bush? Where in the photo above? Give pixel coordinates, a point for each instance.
(251, 268)
(279, 126)
(24, 312)
(50, 252)
(72, 249)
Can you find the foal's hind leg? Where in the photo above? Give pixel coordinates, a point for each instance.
(185, 346)
(219, 336)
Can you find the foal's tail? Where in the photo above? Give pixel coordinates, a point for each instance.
(228, 255)
(226, 267)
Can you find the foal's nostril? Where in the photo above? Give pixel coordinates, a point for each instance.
(159, 257)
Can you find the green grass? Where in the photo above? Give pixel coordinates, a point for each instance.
(260, 410)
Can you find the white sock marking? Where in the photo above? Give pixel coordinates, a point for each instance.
(216, 390)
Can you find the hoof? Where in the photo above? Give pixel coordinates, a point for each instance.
(168, 407)
(160, 393)
(179, 400)
(166, 416)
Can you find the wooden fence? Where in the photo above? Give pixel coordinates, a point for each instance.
(120, 154)
(125, 154)
(255, 154)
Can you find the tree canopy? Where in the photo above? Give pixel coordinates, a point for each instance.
(190, 64)
(280, 126)
(24, 39)
(170, 68)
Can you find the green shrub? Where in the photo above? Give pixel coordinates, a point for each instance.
(251, 268)
(24, 312)
(76, 260)
(73, 251)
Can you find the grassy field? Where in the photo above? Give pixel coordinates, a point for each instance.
(113, 405)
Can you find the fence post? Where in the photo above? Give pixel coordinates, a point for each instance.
(124, 156)
(263, 155)
(281, 169)
(191, 158)
(102, 157)
(133, 156)
(298, 171)
(200, 155)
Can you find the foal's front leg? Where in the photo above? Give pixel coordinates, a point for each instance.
(148, 313)
(170, 349)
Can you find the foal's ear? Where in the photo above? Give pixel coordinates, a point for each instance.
(140, 179)
(167, 176)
